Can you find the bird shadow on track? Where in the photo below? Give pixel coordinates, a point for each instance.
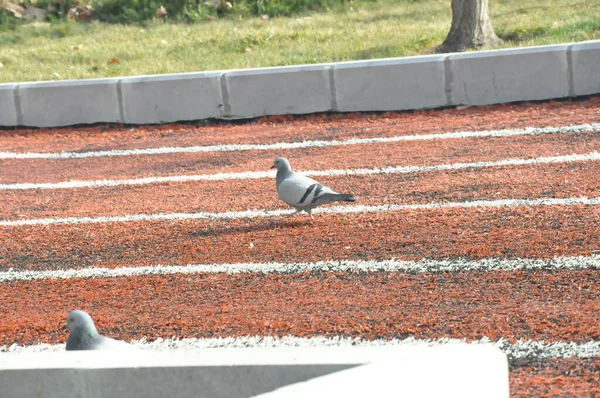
(265, 225)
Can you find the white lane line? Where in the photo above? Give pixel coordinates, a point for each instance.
(248, 214)
(410, 267)
(584, 157)
(583, 128)
(518, 350)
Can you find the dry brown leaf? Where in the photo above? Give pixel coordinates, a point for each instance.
(16, 9)
(113, 61)
(81, 13)
(160, 13)
(224, 6)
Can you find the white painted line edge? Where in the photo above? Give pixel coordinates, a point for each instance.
(583, 128)
(411, 267)
(515, 350)
(575, 157)
(250, 214)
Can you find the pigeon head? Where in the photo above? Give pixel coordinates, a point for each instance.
(80, 321)
(281, 164)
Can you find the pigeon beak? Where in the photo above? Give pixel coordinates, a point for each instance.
(272, 167)
(64, 327)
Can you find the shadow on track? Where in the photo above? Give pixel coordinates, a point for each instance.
(263, 225)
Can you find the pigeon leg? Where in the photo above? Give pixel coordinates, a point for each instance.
(294, 213)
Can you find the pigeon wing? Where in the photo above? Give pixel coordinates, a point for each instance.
(299, 191)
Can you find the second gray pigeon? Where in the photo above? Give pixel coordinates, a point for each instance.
(301, 192)
(84, 335)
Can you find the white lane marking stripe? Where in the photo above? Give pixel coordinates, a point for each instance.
(410, 267)
(248, 214)
(518, 350)
(584, 157)
(583, 128)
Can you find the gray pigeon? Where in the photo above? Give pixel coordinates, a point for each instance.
(301, 192)
(84, 335)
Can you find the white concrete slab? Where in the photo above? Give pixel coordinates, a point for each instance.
(242, 372)
(525, 74)
(276, 91)
(200, 357)
(390, 84)
(63, 103)
(586, 67)
(171, 98)
(473, 371)
(8, 109)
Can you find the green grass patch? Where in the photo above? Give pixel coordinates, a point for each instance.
(351, 31)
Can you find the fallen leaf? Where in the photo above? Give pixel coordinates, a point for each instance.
(224, 6)
(81, 13)
(160, 13)
(16, 9)
(113, 61)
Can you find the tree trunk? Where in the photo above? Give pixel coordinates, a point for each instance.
(471, 27)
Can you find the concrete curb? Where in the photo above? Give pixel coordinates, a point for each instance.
(478, 78)
(449, 372)
(460, 370)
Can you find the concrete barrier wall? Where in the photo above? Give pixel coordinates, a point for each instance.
(584, 68)
(48, 104)
(8, 105)
(477, 78)
(156, 99)
(450, 372)
(458, 370)
(522, 74)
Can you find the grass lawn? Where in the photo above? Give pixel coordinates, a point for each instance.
(361, 30)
